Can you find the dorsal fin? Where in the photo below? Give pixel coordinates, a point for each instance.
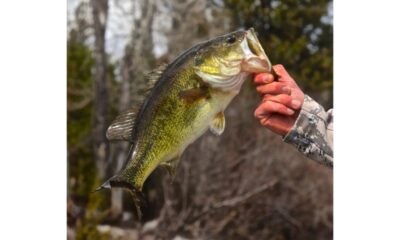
(122, 126)
(155, 74)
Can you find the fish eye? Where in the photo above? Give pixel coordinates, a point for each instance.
(230, 39)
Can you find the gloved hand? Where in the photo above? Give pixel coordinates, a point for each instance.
(281, 100)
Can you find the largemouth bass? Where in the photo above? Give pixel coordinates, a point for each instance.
(188, 98)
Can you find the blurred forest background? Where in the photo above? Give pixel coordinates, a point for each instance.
(245, 184)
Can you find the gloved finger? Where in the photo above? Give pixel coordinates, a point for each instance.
(269, 107)
(283, 99)
(274, 88)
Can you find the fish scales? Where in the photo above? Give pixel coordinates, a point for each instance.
(188, 98)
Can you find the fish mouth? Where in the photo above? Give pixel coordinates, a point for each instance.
(255, 61)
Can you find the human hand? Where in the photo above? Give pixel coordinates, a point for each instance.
(282, 100)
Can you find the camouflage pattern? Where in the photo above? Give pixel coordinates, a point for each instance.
(312, 133)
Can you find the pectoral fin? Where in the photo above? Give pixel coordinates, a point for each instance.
(217, 125)
(194, 94)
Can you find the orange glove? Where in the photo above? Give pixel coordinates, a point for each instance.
(282, 100)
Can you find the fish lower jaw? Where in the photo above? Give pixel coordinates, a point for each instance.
(255, 59)
(255, 64)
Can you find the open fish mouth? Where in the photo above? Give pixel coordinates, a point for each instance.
(232, 73)
(256, 61)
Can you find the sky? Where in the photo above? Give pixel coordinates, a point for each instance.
(119, 26)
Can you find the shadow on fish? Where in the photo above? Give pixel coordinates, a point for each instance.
(189, 97)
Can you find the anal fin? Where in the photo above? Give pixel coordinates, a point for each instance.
(171, 166)
(217, 125)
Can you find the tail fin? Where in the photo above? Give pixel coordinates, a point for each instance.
(137, 195)
(105, 185)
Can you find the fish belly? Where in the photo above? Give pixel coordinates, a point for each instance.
(170, 136)
(201, 123)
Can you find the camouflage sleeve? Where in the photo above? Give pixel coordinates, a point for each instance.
(312, 133)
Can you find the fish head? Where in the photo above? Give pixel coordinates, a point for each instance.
(224, 62)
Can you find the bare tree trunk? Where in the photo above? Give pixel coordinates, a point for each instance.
(121, 148)
(100, 13)
(142, 41)
(136, 61)
(133, 67)
(117, 193)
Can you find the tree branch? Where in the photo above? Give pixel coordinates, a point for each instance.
(233, 202)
